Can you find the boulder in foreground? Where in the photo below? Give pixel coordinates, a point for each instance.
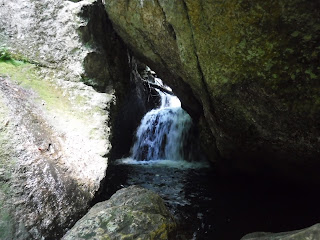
(131, 213)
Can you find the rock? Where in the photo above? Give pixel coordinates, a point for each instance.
(54, 129)
(56, 133)
(44, 32)
(44, 151)
(247, 71)
(73, 40)
(131, 213)
(311, 233)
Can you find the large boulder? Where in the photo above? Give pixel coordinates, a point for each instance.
(247, 71)
(311, 233)
(131, 213)
(74, 40)
(53, 142)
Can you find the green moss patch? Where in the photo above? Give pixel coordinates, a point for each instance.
(5, 55)
(25, 75)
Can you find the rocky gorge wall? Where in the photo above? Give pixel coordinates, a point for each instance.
(248, 73)
(56, 130)
(54, 135)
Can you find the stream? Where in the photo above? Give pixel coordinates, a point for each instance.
(205, 205)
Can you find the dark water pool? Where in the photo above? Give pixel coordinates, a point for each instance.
(211, 207)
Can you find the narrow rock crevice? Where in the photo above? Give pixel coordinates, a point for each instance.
(168, 26)
(137, 99)
(210, 114)
(106, 65)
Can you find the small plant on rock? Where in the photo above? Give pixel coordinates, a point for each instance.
(5, 55)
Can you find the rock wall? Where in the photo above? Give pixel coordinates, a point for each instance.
(55, 130)
(45, 32)
(247, 71)
(74, 39)
(51, 152)
(65, 93)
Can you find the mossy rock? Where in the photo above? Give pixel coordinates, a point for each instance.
(253, 66)
(131, 213)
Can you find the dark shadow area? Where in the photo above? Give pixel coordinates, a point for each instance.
(207, 206)
(111, 68)
(106, 67)
(138, 100)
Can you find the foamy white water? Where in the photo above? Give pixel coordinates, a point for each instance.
(163, 131)
(181, 164)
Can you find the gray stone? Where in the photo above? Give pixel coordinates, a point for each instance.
(310, 233)
(46, 181)
(54, 129)
(131, 213)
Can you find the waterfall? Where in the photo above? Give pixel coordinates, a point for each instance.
(162, 132)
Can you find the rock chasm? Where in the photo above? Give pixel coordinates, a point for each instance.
(72, 94)
(247, 72)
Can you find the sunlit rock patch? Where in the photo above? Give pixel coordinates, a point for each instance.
(54, 138)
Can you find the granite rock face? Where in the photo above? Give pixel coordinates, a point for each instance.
(248, 73)
(55, 130)
(64, 85)
(51, 153)
(131, 213)
(74, 39)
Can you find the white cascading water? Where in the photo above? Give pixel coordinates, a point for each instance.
(158, 163)
(162, 131)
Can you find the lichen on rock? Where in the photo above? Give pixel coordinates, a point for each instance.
(45, 161)
(58, 127)
(131, 213)
(252, 68)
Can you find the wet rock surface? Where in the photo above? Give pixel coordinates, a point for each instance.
(253, 67)
(312, 233)
(131, 213)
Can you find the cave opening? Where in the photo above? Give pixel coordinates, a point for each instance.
(155, 146)
(205, 204)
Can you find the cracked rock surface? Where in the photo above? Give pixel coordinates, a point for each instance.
(247, 72)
